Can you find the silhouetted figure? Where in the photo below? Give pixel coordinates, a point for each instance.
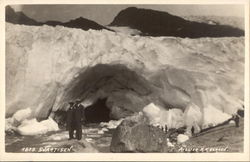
(166, 128)
(78, 115)
(240, 112)
(236, 119)
(192, 130)
(70, 120)
(75, 114)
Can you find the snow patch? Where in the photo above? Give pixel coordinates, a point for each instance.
(152, 112)
(90, 130)
(21, 123)
(59, 136)
(100, 132)
(169, 143)
(181, 138)
(125, 30)
(112, 124)
(193, 119)
(232, 122)
(21, 115)
(33, 127)
(172, 118)
(90, 140)
(105, 129)
(213, 117)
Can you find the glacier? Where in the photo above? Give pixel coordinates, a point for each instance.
(46, 67)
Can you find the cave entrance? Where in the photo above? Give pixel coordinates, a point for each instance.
(97, 112)
(116, 90)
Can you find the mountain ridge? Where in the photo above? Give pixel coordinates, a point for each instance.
(18, 17)
(157, 23)
(80, 23)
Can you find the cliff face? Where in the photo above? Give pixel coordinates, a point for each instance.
(157, 23)
(48, 66)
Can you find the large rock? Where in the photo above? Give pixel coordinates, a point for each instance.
(131, 136)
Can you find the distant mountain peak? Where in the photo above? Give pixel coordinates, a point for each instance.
(78, 19)
(18, 17)
(80, 22)
(158, 23)
(131, 8)
(81, 19)
(84, 24)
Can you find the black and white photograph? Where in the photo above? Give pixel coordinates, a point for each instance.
(126, 78)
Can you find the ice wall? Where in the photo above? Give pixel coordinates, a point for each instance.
(42, 61)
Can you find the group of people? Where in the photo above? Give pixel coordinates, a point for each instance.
(75, 119)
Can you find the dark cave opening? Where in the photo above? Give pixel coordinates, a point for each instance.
(115, 92)
(97, 112)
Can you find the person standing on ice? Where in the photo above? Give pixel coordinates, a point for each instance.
(236, 119)
(70, 121)
(79, 116)
(75, 116)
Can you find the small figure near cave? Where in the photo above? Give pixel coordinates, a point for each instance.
(236, 119)
(75, 117)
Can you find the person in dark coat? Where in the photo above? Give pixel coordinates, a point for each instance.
(236, 119)
(79, 117)
(75, 116)
(70, 121)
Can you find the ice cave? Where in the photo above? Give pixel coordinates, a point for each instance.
(108, 92)
(179, 81)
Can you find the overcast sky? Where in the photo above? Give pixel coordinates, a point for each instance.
(104, 14)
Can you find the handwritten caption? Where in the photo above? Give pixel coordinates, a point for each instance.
(203, 149)
(47, 149)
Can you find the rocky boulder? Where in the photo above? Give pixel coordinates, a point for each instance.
(131, 136)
